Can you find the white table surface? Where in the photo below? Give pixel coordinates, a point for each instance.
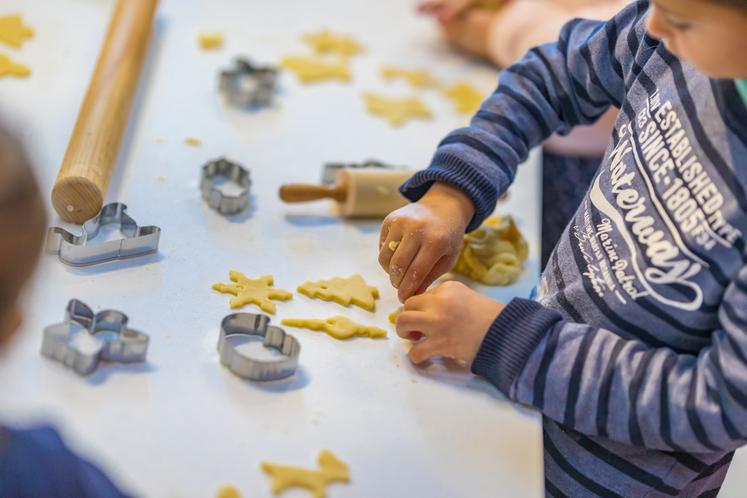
(181, 425)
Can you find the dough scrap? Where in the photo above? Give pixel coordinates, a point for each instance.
(396, 111)
(193, 141)
(338, 327)
(311, 69)
(12, 30)
(10, 68)
(252, 291)
(331, 469)
(394, 314)
(416, 77)
(467, 99)
(494, 254)
(210, 41)
(326, 42)
(344, 291)
(393, 245)
(228, 492)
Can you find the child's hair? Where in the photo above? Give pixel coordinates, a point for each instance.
(22, 223)
(732, 3)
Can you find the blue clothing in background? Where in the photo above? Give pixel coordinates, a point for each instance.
(35, 463)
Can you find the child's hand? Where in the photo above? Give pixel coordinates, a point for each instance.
(428, 236)
(450, 320)
(464, 23)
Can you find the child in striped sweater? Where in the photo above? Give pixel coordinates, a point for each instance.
(635, 350)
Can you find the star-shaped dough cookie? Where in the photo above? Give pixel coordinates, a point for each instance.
(10, 68)
(310, 69)
(344, 291)
(13, 32)
(396, 111)
(326, 42)
(338, 327)
(466, 97)
(252, 291)
(416, 77)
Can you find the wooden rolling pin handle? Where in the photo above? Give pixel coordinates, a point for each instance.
(301, 192)
(91, 155)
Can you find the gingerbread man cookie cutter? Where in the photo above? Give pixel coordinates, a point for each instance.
(247, 85)
(248, 367)
(219, 170)
(112, 339)
(75, 250)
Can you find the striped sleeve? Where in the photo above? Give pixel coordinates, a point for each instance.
(593, 381)
(552, 89)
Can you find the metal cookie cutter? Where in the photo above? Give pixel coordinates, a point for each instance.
(224, 169)
(74, 250)
(249, 324)
(247, 85)
(329, 172)
(107, 338)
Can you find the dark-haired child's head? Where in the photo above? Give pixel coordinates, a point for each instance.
(709, 34)
(22, 224)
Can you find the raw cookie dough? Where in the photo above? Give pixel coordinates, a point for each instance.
(344, 291)
(394, 314)
(393, 245)
(311, 70)
(331, 469)
(396, 111)
(416, 77)
(228, 492)
(494, 254)
(338, 327)
(13, 32)
(248, 291)
(193, 141)
(466, 97)
(325, 42)
(210, 41)
(10, 68)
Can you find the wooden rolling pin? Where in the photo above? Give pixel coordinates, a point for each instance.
(360, 193)
(91, 156)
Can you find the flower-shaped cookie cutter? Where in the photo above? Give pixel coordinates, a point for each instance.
(76, 250)
(247, 85)
(244, 365)
(220, 170)
(110, 339)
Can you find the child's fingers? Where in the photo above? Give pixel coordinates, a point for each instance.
(425, 350)
(454, 9)
(412, 325)
(442, 266)
(420, 269)
(403, 256)
(394, 234)
(417, 303)
(429, 7)
(384, 232)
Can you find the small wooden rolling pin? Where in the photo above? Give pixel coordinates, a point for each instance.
(91, 156)
(360, 193)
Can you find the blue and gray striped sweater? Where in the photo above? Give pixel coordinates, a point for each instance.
(635, 351)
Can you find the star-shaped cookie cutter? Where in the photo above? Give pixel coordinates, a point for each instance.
(112, 339)
(247, 85)
(224, 169)
(75, 250)
(244, 365)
